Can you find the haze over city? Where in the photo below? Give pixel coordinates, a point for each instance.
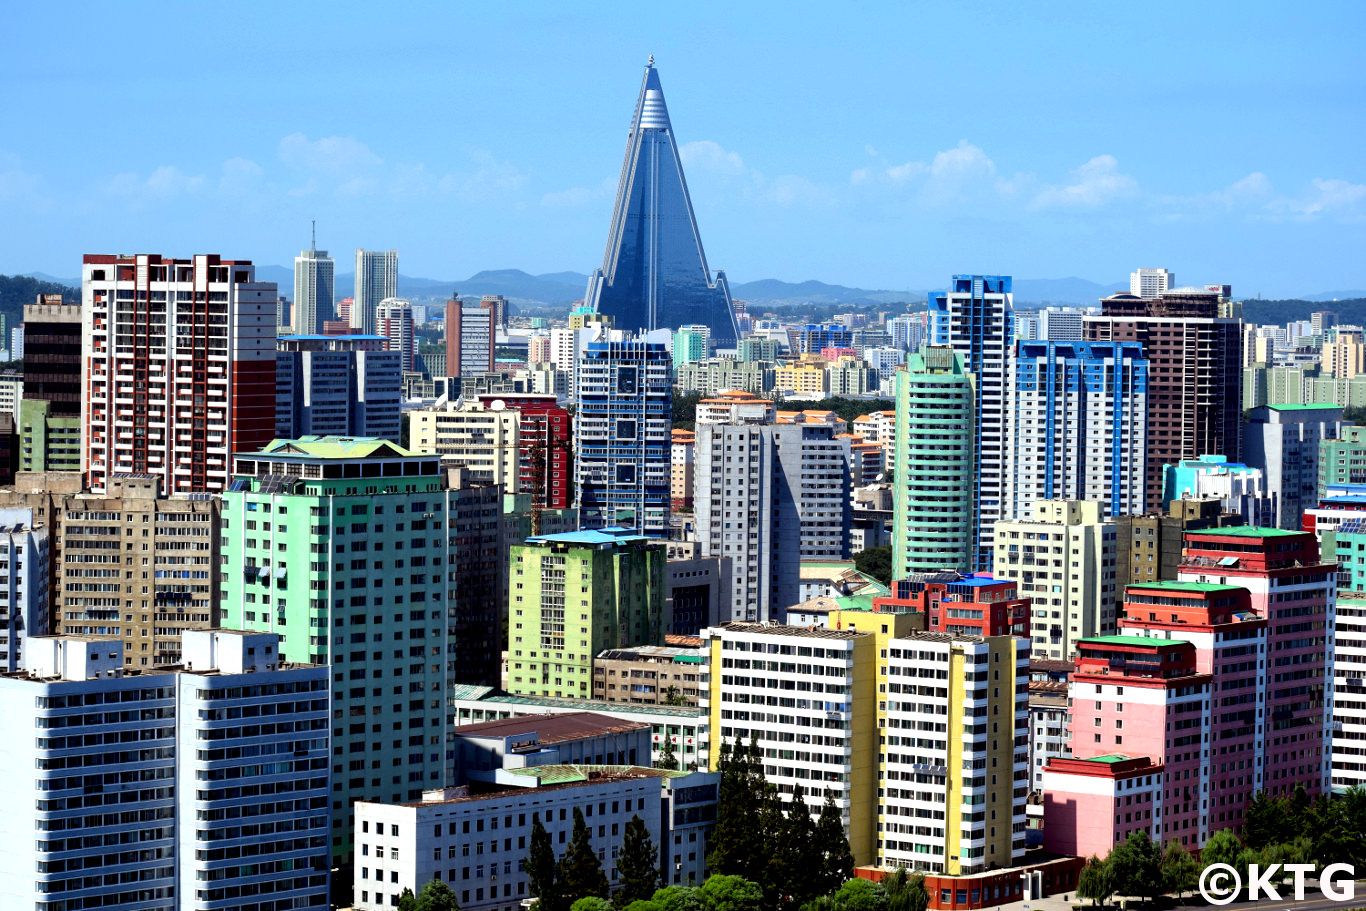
(879, 147)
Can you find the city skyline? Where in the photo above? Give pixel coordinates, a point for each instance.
(876, 169)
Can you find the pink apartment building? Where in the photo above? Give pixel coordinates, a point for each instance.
(1213, 691)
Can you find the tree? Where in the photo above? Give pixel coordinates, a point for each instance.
(1265, 821)
(837, 861)
(797, 855)
(685, 410)
(407, 901)
(1180, 872)
(679, 898)
(673, 697)
(737, 845)
(916, 896)
(540, 866)
(861, 895)
(1137, 866)
(637, 864)
(1223, 847)
(1096, 881)
(875, 562)
(592, 903)
(580, 871)
(668, 757)
(732, 893)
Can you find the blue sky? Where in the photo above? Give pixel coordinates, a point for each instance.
(878, 145)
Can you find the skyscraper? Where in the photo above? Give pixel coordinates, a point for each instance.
(1195, 388)
(1080, 414)
(50, 411)
(179, 361)
(976, 319)
(621, 435)
(471, 336)
(376, 279)
(313, 290)
(1150, 283)
(347, 385)
(654, 273)
(394, 321)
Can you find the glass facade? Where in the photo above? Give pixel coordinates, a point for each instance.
(654, 274)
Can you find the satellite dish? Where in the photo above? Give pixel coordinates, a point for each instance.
(497, 405)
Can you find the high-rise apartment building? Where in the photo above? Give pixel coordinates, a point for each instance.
(1064, 561)
(484, 441)
(918, 736)
(24, 565)
(768, 496)
(347, 385)
(1341, 460)
(1151, 284)
(1148, 547)
(621, 435)
(314, 290)
(1349, 655)
(934, 517)
(544, 446)
(975, 319)
(1194, 375)
(573, 595)
(1080, 416)
(1283, 441)
(49, 416)
(382, 565)
(682, 457)
(471, 337)
(654, 273)
(376, 280)
(179, 368)
(168, 564)
(394, 322)
(1060, 324)
(1344, 354)
(690, 344)
(155, 802)
(977, 605)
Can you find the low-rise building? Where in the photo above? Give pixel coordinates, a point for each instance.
(649, 674)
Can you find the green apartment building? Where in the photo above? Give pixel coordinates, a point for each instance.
(936, 464)
(379, 563)
(49, 416)
(573, 595)
(1343, 461)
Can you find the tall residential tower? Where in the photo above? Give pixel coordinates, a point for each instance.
(313, 289)
(376, 279)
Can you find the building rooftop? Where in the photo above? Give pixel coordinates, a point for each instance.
(642, 652)
(981, 580)
(551, 728)
(1311, 406)
(333, 447)
(1109, 758)
(1144, 641)
(1185, 586)
(1244, 531)
(602, 705)
(566, 773)
(591, 775)
(592, 537)
(778, 629)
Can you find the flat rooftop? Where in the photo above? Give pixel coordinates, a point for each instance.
(778, 629)
(552, 728)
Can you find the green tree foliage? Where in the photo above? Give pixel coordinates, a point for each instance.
(592, 903)
(668, 757)
(876, 562)
(837, 861)
(685, 410)
(1180, 871)
(861, 895)
(1223, 847)
(644, 905)
(732, 893)
(1096, 881)
(407, 901)
(579, 871)
(906, 891)
(637, 864)
(1137, 866)
(18, 290)
(679, 898)
(848, 409)
(738, 846)
(541, 870)
(796, 854)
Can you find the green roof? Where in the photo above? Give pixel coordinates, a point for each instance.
(1109, 758)
(1310, 406)
(1185, 586)
(334, 447)
(1244, 531)
(1130, 640)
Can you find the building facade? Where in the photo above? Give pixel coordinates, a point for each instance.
(1240, 487)
(376, 280)
(471, 337)
(24, 562)
(346, 385)
(1064, 561)
(934, 518)
(49, 416)
(1150, 284)
(374, 562)
(394, 322)
(314, 290)
(621, 436)
(179, 368)
(1283, 443)
(573, 595)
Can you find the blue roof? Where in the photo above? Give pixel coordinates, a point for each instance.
(982, 580)
(613, 535)
(1354, 499)
(381, 338)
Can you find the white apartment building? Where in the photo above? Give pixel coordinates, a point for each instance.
(376, 280)
(23, 585)
(179, 368)
(314, 290)
(11, 391)
(394, 321)
(1060, 324)
(1050, 728)
(1150, 283)
(470, 435)
(199, 786)
(1064, 561)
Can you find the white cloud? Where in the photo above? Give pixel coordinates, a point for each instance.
(240, 175)
(166, 181)
(338, 156)
(708, 155)
(488, 178)
(1092, 185)
(709, 161)
(1329, 197)
(580, 196)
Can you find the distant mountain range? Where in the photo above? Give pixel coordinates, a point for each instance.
(562, 288)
